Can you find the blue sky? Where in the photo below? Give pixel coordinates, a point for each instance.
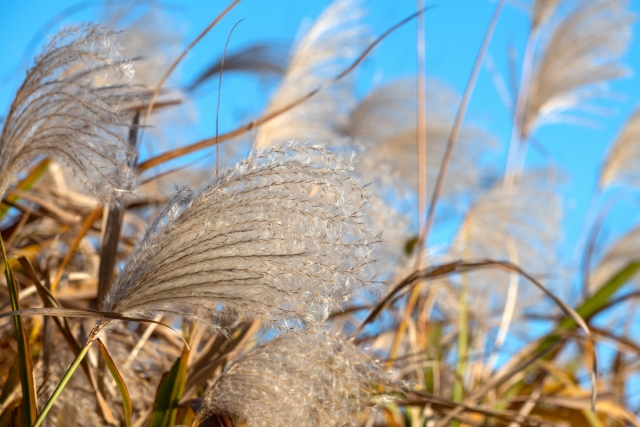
(454, 30)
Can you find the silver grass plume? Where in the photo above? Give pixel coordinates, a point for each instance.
(582, 53)
(542, 10)
(619, 254)
(335, 39)
(307, 380)
(521, 225)
(279, 236)
(384, 125)
(622, 162)
(151, 36)
(72, 106)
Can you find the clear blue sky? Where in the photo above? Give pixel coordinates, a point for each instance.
(454, 30)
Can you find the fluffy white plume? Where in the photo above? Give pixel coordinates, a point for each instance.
(583, 52)
(279, 236)
(621, 164)
(71, 107)
(307, 380)
(335, 39)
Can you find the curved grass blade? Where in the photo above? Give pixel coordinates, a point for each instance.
(462, 267)
(122, 387)
(29, 403)
(75, 312)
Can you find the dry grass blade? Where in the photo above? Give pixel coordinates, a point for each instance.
(264, 59)
(583, 52)
(88, 314)
(457, 125)
(305, 380)
(86, 225)
(113, 224)
(175, 63)
(443, 406)
(68, 110)
(279, 236)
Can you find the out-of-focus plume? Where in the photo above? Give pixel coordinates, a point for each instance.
(623, 251)
(152, 36)
(335, 39)
(309, 380)
(72, 106)
(542, 11)
(621, 164)
(385, 124)
(582, 53)
(521, 224)
(279, 236)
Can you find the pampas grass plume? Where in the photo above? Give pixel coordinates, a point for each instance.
(306, 380)
(279, 236)
(72, 106)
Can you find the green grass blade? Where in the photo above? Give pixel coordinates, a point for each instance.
(124, 392)
(29, 403)
(169, 392)
(592, 305)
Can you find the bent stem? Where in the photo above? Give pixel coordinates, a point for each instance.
(63, 383)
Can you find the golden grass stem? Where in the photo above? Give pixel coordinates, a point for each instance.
(422, 135)
(455, 130)
(86, 225)
(424, 231)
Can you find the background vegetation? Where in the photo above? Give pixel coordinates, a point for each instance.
(349, 255)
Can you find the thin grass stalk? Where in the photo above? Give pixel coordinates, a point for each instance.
(175, 63)
(27, 385)
(421, 134)
(515, 142)
(63, 382)
(241, 130)
(509, 310)
(463, 331)
(424, 231)
(463, 339)
(113, 224)
(422, 178)
(455, 130)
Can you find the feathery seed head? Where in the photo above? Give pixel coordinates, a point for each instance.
(72, 106)
(582, 54)
(334, 40)
(295, 380)
(279, 236)
(621, 164)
